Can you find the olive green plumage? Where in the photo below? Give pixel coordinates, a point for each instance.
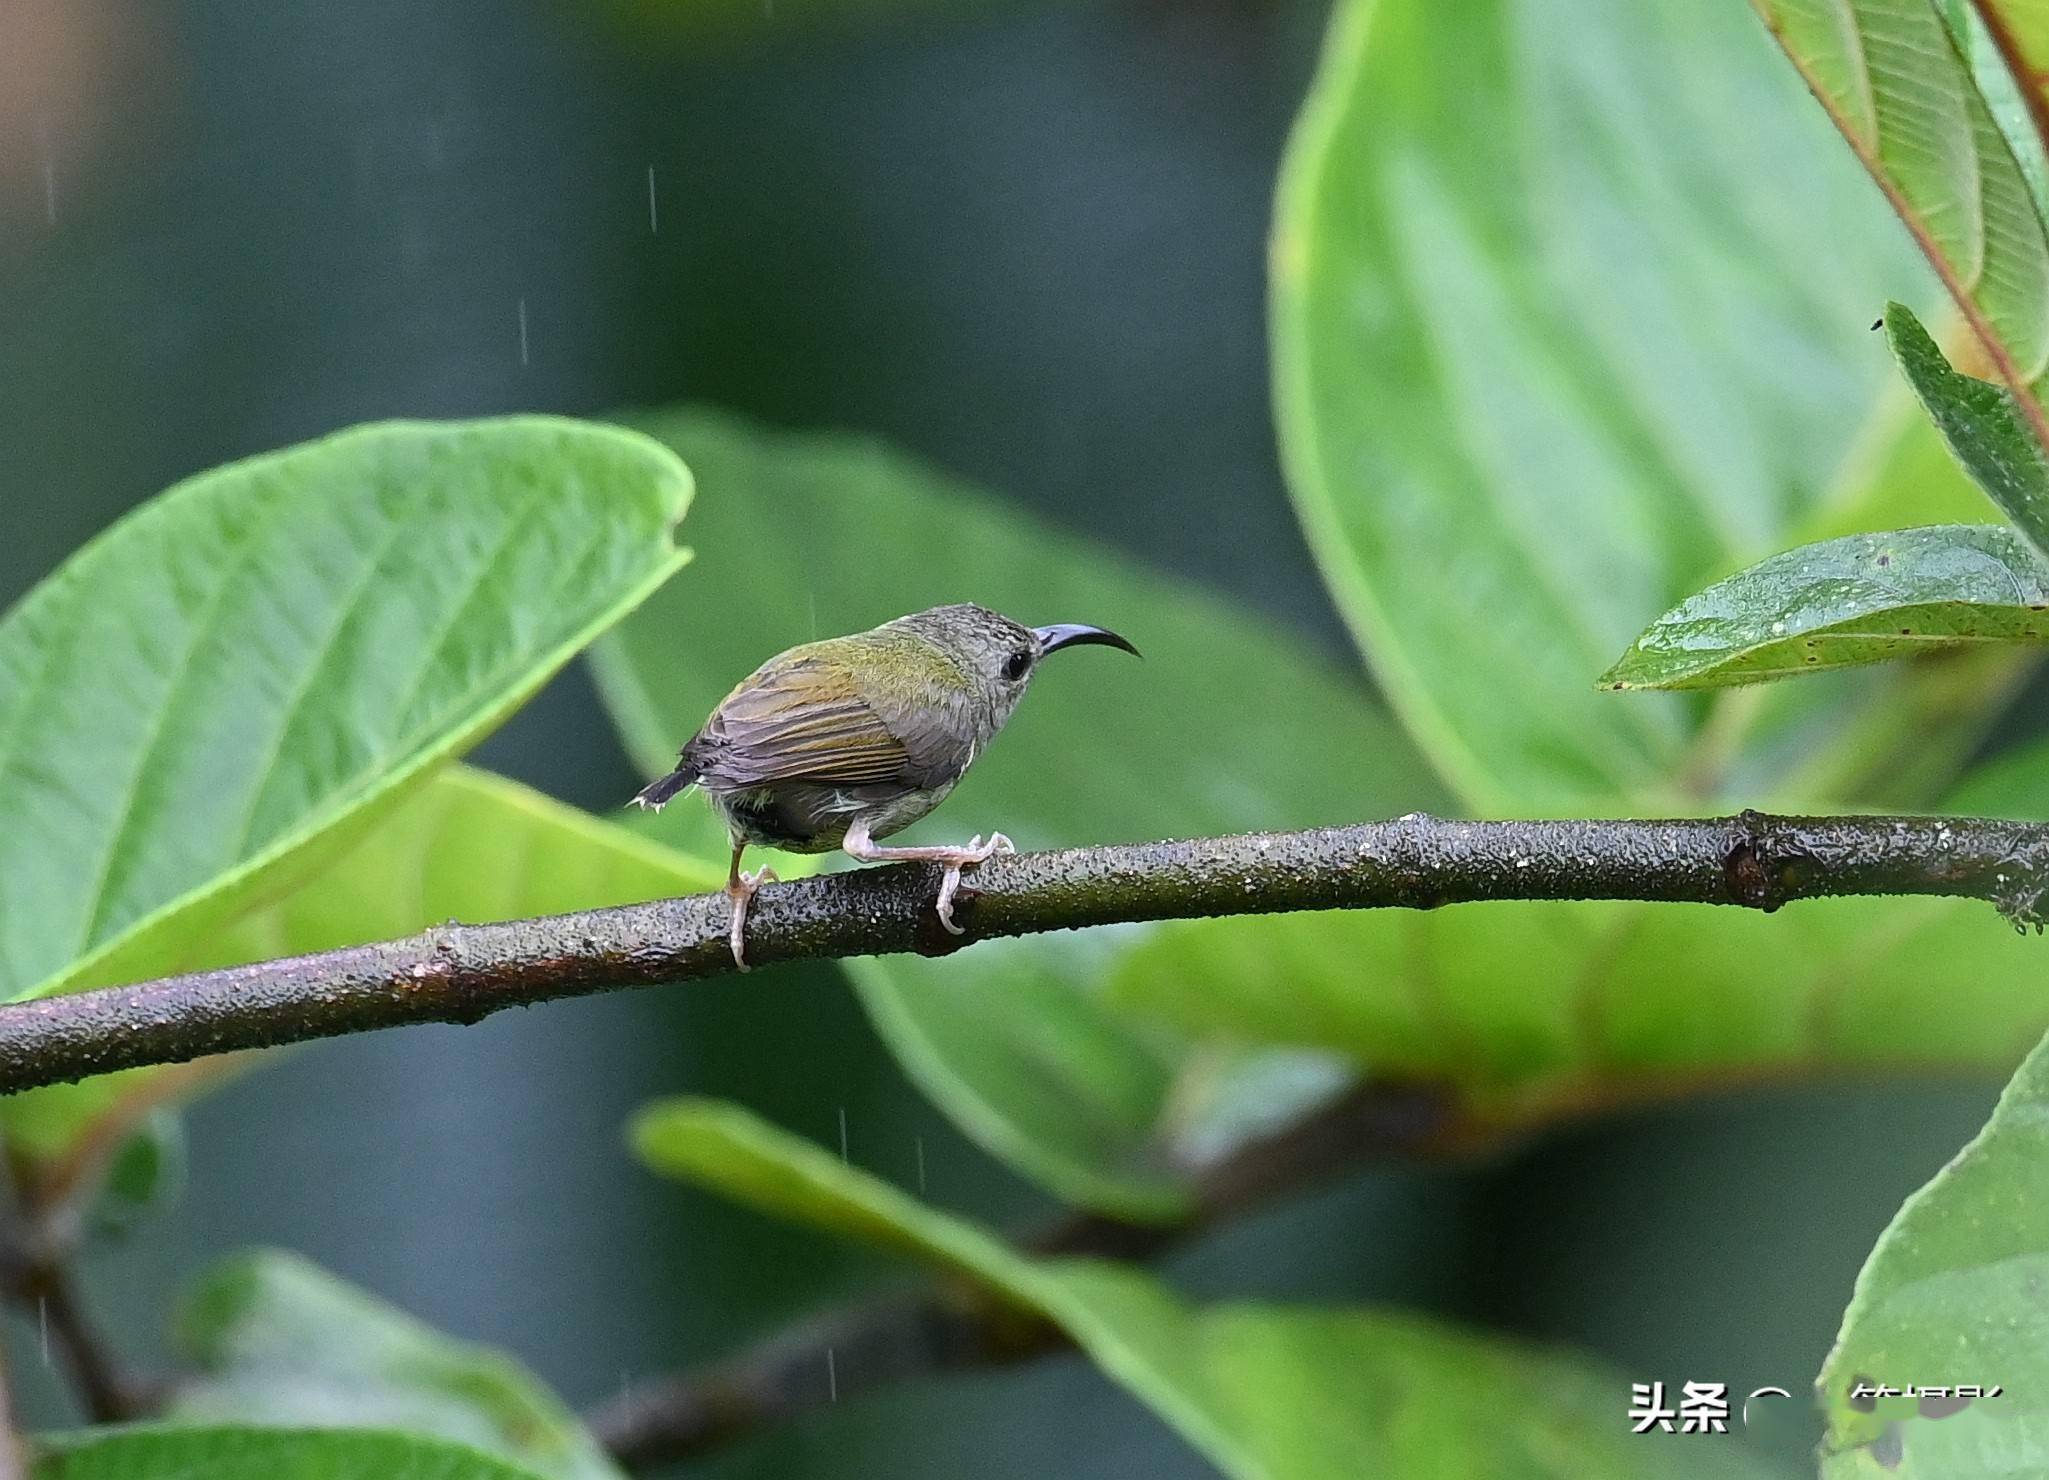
(837, 743)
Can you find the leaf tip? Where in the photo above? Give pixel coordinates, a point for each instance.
(1621, 676)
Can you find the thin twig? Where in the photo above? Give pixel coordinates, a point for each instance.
(460, 973)
(830, 1359)
(106, 1395)
(37, 1240)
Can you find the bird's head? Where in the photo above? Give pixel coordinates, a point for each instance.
(999, 655)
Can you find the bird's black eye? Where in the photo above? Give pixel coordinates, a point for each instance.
(1017, 665)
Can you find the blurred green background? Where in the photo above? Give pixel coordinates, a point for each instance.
(1023, 240)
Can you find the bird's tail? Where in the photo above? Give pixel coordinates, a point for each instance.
(656, 794)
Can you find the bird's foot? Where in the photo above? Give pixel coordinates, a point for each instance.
(741, 892)
(975, 852)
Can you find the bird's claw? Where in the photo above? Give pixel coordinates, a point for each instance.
(741, 893)
(975, 852)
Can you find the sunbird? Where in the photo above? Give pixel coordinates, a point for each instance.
(837, 743)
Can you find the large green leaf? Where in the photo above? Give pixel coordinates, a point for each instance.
(1952, 1295)
(1529, 1011)
(277, 1341)
(1226, 725)
(234, 1453)
(1536, 1010)
(1891, 75)
(213, 697)
(1273, 1392)
(1864, 598)
(1983, 423)
(1534, 382)
(467, 846)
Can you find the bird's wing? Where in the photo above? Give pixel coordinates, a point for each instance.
(801, 720)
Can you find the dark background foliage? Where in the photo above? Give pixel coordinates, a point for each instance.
(1024, 241)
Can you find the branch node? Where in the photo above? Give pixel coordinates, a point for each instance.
(1760, 875)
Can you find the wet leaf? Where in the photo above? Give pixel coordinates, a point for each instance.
(1859, 599)
(1985, 426)
(1949, 1296)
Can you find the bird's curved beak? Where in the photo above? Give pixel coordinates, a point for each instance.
(1078, 634)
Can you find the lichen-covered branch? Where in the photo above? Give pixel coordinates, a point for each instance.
(460, 973)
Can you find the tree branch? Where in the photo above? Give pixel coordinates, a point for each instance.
(103, 1389)
(37, 1240)
(459, 973)
(831, 1358)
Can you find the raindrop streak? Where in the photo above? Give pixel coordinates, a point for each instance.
(43, 1325)
(920, 1141)
(522, 331)
(843, 1133)
(653, 227)
(832, 1375)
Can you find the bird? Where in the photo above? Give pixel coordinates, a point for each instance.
(836, 743)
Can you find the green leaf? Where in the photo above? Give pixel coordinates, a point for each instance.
(1985, 426)
(2013, 100)
(1528, 1012)
(279, 1342)
(1890, 74)
(1532, 386)
(215, 696)
(1952, 1295)
(1226, 725)
(233, 1453)
(1863, 598)
(1262, 1390)
(467, 845)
